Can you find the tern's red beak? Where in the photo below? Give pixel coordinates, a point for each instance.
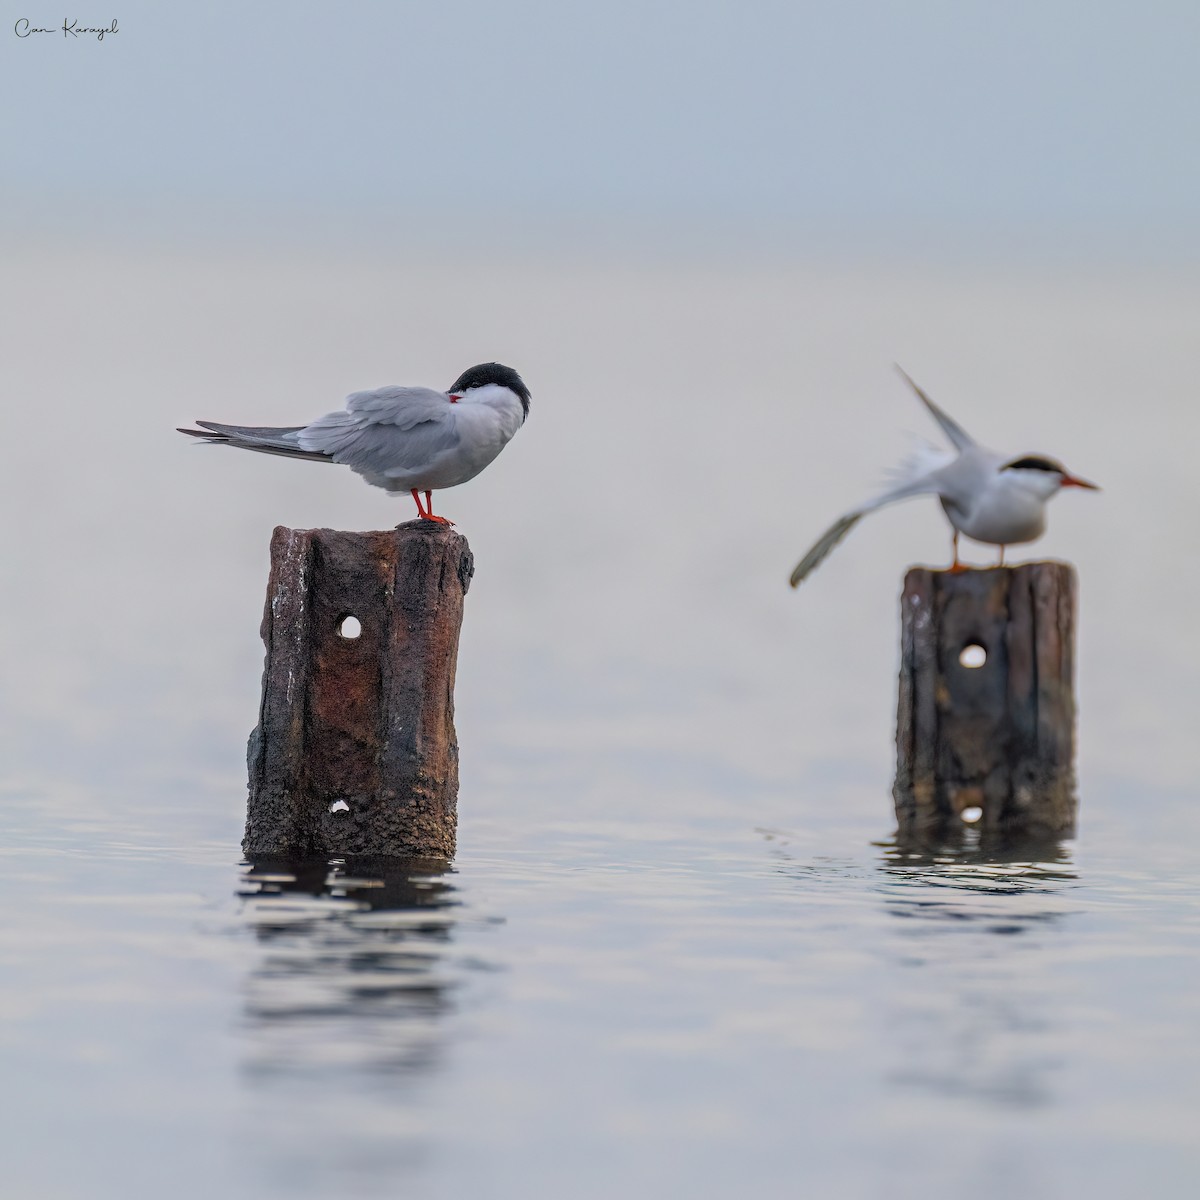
(1075, 481)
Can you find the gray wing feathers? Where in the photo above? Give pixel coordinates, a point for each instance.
(842, 526)
(267, 434)
(385, 433)
(403, 407)
(960, 439)
(825, 543)
(266, 439)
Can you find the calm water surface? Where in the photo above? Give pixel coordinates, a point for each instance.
(678, 951)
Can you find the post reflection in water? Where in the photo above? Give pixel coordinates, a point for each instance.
(353, 970)
(975, 1009)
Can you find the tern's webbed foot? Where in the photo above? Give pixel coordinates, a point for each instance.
(440, 520)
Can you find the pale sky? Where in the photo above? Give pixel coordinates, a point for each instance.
(856, 121)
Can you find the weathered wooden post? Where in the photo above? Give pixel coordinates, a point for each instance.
(355, 750)
(986, 718)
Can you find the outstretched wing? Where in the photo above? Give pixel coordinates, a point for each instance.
(922, 472)
(842, 526)
(823, 545)
(389, 432)
(960, 439)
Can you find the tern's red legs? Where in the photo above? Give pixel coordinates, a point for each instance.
(956, 567)
(429, 511)
(426, 512)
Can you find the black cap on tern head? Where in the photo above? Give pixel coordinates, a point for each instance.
(1035, 462)
(497, 373)
(1051, 466)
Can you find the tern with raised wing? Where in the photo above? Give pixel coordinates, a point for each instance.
(989, 497)
(402, 439)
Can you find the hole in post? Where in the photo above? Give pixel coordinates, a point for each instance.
(973, 655)
(339, 806)
(349, 627)
(971, 815)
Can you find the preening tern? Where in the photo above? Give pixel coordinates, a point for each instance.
(403, 439)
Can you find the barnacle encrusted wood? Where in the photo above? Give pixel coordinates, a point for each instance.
(997, 736)
(355, 750)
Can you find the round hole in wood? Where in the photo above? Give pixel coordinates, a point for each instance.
(973, 655)
(349, 627)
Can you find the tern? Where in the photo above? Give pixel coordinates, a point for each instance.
(403, 439)
(987, 496)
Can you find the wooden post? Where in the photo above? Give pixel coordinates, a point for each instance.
(999, 736)
(355, 750)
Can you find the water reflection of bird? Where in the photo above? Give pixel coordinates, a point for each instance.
(404, 439)
(989, 497)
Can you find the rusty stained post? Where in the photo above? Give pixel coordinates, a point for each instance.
(355, 750)
(998, 736)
